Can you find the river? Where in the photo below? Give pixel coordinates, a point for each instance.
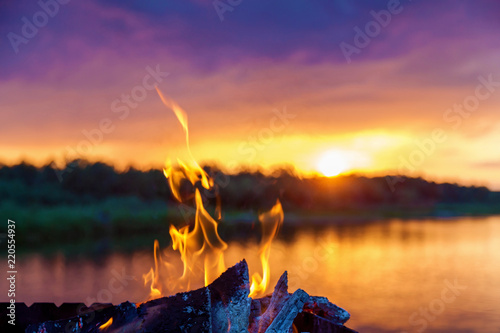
(392, 276)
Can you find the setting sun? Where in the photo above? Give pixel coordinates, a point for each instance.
(333, 163)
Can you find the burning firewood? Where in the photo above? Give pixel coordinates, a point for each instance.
(284, 319)
(267, 308)
(222, 306)
(318, 314)
(320, 306)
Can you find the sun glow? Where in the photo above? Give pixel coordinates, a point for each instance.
(333, 163)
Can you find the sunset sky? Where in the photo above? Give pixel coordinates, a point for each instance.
(263, 83)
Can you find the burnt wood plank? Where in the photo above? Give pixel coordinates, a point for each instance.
(266, 309)
(284, 319)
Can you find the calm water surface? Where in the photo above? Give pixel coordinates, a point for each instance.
(392, 276)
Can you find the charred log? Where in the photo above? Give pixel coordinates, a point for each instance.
(223, 306)
(275, 313)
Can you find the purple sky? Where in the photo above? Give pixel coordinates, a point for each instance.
(229, 75)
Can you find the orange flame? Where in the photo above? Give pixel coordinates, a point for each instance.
(270, 222)
(211, 246)
(106, 324)
(200, 247)
(153, 275)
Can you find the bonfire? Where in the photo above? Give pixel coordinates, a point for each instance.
(231, 300)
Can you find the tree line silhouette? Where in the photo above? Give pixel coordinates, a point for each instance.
(82, 182)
